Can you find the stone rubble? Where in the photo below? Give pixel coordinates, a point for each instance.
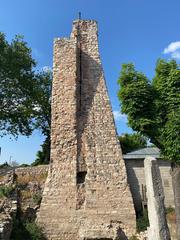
(142, 235)
(8, 208)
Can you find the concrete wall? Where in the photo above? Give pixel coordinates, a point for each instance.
(136, 178)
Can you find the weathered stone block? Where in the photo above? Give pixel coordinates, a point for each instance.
(156, 210)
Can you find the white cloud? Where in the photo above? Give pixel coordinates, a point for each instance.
(119, 116)
(47, 69)
(176, 55)
(173, 49)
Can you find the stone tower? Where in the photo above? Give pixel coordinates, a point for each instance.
(86, 194)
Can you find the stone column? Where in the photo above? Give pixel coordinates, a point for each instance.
(86, 194)
(158, 229)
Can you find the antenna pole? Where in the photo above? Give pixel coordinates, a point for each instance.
(79, 15)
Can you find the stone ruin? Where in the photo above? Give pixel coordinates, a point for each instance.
(156, 209)
(86, 193)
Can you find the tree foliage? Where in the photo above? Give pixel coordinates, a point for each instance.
(153, 107)
(131, 142)
(42, 102)
(42, 114)
(16, 83)
(25, 94)
(43, 156)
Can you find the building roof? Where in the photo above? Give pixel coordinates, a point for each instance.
(142, 153)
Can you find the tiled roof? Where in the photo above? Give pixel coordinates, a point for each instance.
(142, 153)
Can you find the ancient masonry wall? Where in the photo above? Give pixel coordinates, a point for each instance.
(86, 194)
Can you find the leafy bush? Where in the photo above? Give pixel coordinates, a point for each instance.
(19, 231)
(142, 221)
(37, 198)
(5, 191)
(26, 231)
(4, 165)
(34, 231)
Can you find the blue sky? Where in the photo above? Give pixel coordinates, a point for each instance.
(135, 31)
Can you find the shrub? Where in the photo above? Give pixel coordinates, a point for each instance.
(5, 191)
(170, 214)
(19, 231)
(26, 231)
(34, 231)
(4, 165)
(170, 210)
(142, 221)
(37, 198)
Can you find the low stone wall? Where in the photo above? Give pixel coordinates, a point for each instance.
(24, 176)
(23, 170)
(32, 171)
(4, 171)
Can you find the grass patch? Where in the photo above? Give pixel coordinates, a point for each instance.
(26, 178)
(25, 194)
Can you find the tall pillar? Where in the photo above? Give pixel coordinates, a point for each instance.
(86, 194)
(156, 210)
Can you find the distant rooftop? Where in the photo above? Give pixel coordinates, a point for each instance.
(142, 153)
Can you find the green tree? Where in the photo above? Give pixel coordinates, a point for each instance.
(153, 110)
(42, 101)
(25, 94)
(16, 82)
(43, 156)
(42, 114)
(131, 142)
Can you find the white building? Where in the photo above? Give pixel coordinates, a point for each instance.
(135, 171)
